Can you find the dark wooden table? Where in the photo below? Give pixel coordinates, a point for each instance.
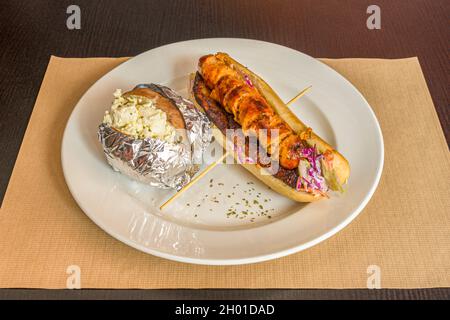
(31, 31)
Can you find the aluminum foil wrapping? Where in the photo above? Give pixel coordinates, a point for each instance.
(157, 162)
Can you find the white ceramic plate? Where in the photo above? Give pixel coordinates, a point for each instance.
(196, 228)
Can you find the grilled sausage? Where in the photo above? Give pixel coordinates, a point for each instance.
(251, 110)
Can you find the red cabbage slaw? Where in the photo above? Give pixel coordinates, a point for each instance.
(243, 159)
(248, 81)
(310, 172)
(246, 78)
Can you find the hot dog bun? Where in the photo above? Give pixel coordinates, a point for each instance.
(339, 169)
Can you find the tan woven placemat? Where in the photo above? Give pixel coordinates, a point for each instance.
(405, 229)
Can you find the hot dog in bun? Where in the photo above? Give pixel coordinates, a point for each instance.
(235, 98)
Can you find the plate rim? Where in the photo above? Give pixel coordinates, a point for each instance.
(256, 258)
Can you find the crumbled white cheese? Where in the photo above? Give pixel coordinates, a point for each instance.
(138, 117)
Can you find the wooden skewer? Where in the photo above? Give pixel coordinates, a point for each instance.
(300, 94)
(212, 165)
(193, 181)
